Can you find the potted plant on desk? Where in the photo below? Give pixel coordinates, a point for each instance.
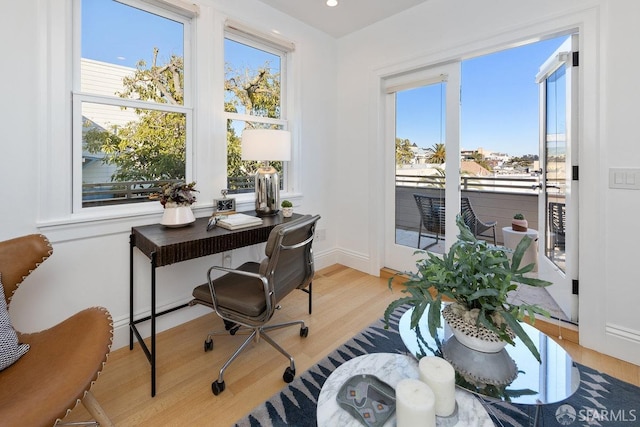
(477, 277)
(287, 208)
(177, 198)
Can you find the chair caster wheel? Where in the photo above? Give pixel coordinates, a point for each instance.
(217, 387)
(228, 325)
(289, 375)
(235, 329)
(304, 331)
(208, 345)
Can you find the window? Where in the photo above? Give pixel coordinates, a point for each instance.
(105, 115)
(255, 97)
(132, 111)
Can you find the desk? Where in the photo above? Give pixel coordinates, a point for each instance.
(512, 238)
(165, 246)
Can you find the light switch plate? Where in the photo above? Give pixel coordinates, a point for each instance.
(624, 178)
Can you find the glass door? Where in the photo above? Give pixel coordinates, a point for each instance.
(421, 149)
(557, 208)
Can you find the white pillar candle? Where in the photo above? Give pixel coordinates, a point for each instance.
(414, 404)
(438, 374)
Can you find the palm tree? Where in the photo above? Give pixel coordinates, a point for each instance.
(438, 153)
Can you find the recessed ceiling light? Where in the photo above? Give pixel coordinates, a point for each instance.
(332, 3)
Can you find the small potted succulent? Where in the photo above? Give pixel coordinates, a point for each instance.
(519, 223)
(287, 208)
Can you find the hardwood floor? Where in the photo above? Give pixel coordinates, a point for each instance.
(345, 302)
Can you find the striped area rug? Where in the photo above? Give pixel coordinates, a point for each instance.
(601, 400)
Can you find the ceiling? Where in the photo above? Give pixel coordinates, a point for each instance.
(348, 16)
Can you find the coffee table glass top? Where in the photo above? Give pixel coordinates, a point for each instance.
(512, 375)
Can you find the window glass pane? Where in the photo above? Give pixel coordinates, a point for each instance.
(253, 87)
(420, 158)
(127, 153)
(252, 80)
(135, 59)
(121, 42)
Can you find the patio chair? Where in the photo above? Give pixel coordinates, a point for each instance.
(557, 224)
(477, 227)
(431, 218)
(246, 298)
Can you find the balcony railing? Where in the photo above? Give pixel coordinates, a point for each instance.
(502, 184)
(113, 193)
(493, 198)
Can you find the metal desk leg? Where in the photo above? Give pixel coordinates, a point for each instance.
(153, 324)
(131, 325)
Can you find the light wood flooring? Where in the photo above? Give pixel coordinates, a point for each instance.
(345, 302)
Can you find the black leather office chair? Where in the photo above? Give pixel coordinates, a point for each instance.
(247, 297)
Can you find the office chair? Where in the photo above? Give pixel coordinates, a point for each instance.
(247, 297)
(61, 363)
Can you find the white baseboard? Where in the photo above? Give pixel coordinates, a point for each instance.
(618, 331)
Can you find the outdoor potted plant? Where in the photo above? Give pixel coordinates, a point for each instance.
(177, 198)
(287, 208)
(519, 223)
(477, 277)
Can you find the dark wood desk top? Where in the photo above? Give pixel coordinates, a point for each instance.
(173, 245)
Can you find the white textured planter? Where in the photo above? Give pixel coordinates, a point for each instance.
(470, 335)
(177, 216)
(287, 212)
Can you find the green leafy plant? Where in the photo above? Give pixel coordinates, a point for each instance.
(179, 193)
(477, 276)
(518, 216)
(286, 204)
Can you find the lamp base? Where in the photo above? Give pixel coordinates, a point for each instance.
(267, 191)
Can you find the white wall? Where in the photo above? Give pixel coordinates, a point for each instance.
(440, 30)
(94, 270)
(340, 128)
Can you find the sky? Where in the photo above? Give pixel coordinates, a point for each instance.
(499, 110)
(122, 35)
(499, 103)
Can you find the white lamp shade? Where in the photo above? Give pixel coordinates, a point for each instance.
(266, 145)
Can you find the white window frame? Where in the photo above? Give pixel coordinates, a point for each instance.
(59, 116)
(53, 118)
(80, 97)
(241, 33)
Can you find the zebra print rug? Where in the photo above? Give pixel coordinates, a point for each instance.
(601, 400)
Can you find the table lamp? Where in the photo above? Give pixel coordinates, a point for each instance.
(266, 145)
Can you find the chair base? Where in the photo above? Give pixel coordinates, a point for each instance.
(255, 334)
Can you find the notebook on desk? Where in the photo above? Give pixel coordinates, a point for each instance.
(239, 220)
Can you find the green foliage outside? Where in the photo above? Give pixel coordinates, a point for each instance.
(404, 154)
(152, 148)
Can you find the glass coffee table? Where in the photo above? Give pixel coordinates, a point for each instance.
(512, 375)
